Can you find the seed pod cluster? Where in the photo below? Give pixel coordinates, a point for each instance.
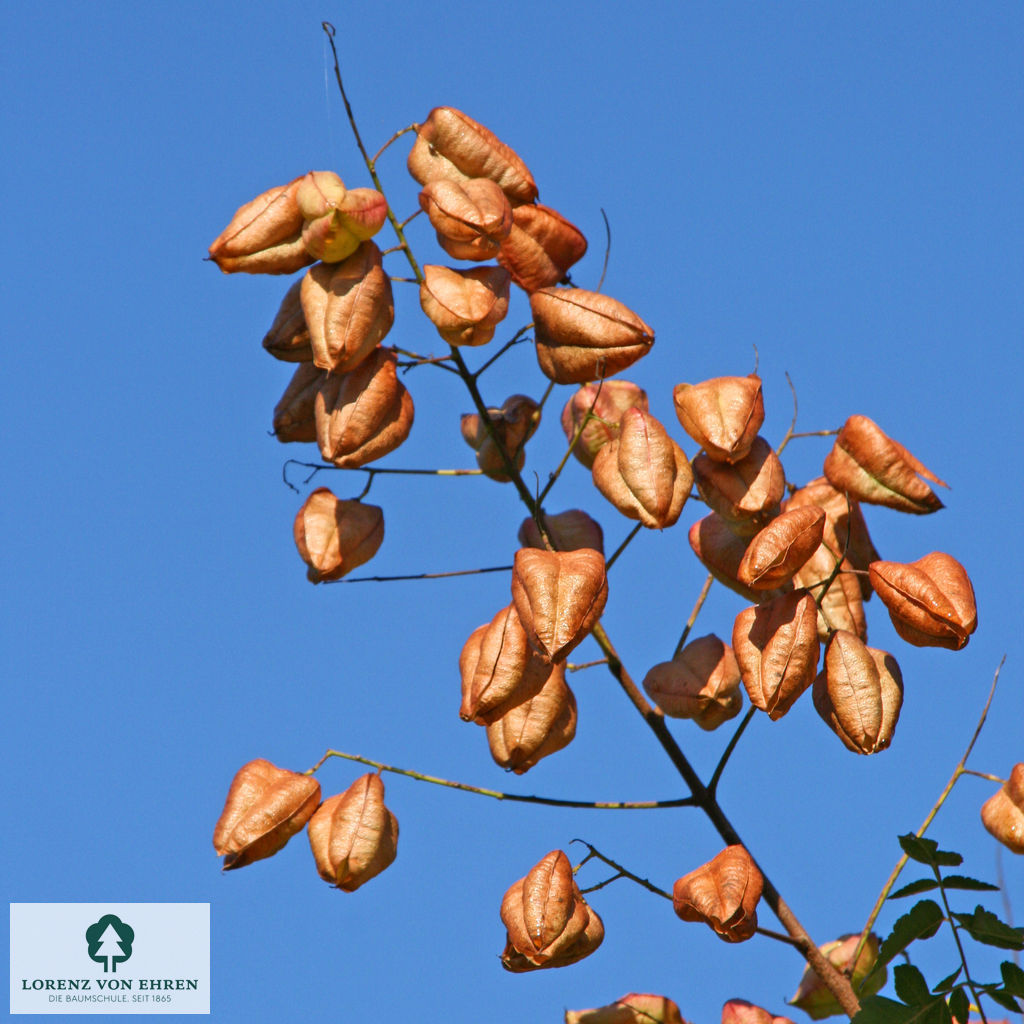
(547, 921)
(723, 894)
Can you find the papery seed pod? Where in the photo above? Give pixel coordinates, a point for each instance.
(541, 247)
(583, 336)
(471, 218)
(499, 669)
(547, 921)
(348, 307)
(363, 414)
(781, 548)
(814, 998)
(745, 493)
(569, 531)
(723, 894)
(334, 536)
(776, 647)
(643, 472)
(264, 236)
(595, 411)
(739, 1011)
(465, 305)
(353, 835)
(874, 468)
(930, 601)
(265, 807)
(721, 550)
(841, 606)
(846, 533)
(701, 682)
(294, 418)
(559, 595)
(634, 1008)
(335, 219)
(451, 145)
(859, 693)
(514, 424)
(722, 415)
(538, 727)
(1003, 813)
(288, 337)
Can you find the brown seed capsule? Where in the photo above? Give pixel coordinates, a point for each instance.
(569, 531)
(472, 218)
(595, 411)
(547, 921)
(720, 549)
(634, 1008)
(353, 835)
(1003, 813)
(776, 647)
(513, 424)
(723, 893)
(559, 595)
(335, 219)
(930, 601)
(583, 336)
(349, 308)
(288, 337)
(451, 145)
(465, 305)
(264, 236)
(363, 414)
(873, 467)
(499, 669)
(859, 693)
(846, 533)
(294, 419)
(722, 415)
(782, 547)
(745, 493)
(541, 247)
(739, 1011)
(542, 725)
(816, 1000)
(265, 807)
(701, 682)
(643, 472)
(334, 537)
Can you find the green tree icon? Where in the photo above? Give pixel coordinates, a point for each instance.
(110, 942)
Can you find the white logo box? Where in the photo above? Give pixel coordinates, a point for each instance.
(110, 958)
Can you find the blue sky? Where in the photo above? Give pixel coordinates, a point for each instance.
(836, 185)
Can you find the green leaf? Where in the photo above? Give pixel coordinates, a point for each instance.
(921, 922)
(960, 1005)
(910, 985)
(879, 1010)
(921, 885)
(984, 926)
(947, 983)
(926, 851)
(1004, 999)
(1013, 978)
(963, 882)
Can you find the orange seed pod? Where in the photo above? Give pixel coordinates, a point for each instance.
(722, 415)
(334, 537)
(723, 893)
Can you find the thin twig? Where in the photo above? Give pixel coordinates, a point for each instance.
(730, 747)
(397, 135)
(622, 547)
(607, 249)
(701, 598)
(577, 434)
(604, 805)
(959, 945)
(515, 340)
(983, 775)
(792, 422)
(622, 872)
(423, 575)
(571, 667)
(901, 863)
(777, 936)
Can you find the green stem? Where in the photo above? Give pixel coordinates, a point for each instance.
(959, 945)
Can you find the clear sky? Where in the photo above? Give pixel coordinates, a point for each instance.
(837, 185)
